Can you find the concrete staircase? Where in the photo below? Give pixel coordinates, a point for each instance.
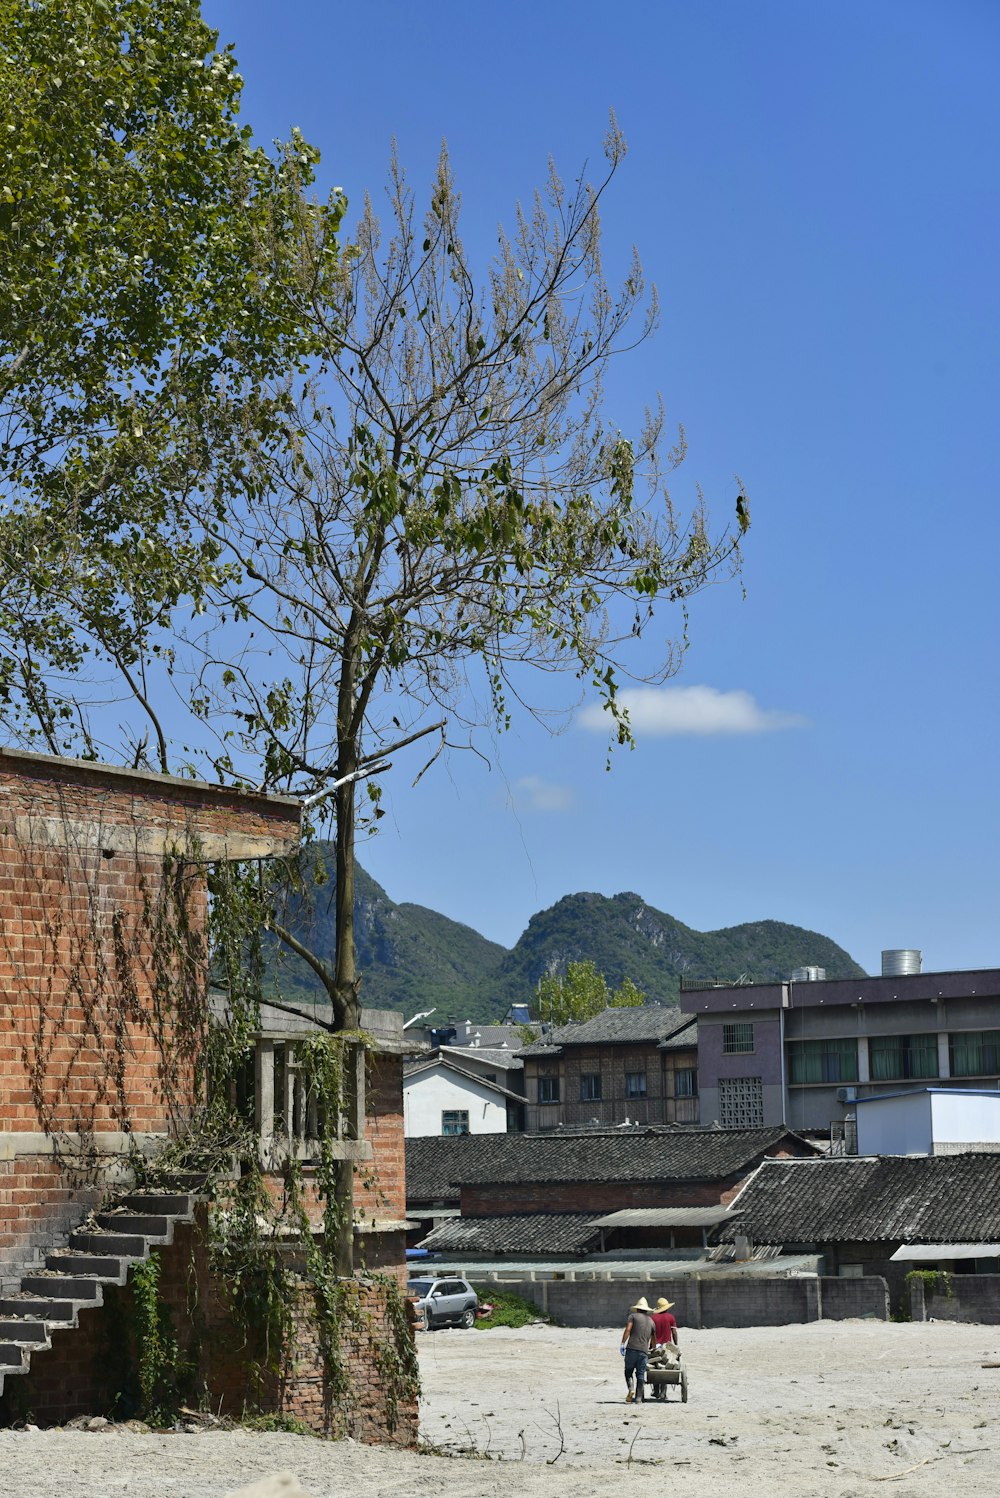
(100, 1253)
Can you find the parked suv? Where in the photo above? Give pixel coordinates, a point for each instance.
(444, 1300)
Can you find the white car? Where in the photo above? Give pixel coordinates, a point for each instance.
(443, 1301)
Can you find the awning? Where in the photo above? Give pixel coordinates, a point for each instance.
(917, 1252)
(666, 1217)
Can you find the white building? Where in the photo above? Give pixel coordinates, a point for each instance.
(460, 1091)
(929, 1121)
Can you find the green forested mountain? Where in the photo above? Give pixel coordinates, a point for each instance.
(413, 958)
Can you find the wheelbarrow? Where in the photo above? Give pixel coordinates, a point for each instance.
(664, 1370)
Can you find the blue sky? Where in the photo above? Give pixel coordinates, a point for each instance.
(813, 187)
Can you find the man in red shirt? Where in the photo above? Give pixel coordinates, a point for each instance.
(664, 1323)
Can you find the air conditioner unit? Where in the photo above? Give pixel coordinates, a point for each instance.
(847, 1094)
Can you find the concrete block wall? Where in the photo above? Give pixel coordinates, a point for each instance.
(969, 1297)
(708, 1302)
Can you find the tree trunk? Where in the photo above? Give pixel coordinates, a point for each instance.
(345, 971)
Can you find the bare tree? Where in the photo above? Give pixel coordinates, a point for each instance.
(453, 515)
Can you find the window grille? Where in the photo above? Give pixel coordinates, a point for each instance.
(737, 1039)
(741, 1102)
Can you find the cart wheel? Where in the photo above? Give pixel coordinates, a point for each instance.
(684, 1388)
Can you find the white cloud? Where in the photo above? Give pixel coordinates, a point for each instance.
(660, 711)
(534, 794)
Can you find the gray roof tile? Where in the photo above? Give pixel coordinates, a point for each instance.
(872, 1198)
(436, 1166)
(522, 1233)
(643, 1024)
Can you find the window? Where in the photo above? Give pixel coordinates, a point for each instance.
(975, 1054)
(686, 1082)
(590, 1087)
(897, 1058)
(455, 1121)
(823, 1061)
(635, 1084)
(548, 1089)
(737, 1040)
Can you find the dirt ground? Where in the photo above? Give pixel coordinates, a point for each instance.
(829, 1410)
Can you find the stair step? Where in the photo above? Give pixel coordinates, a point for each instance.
(159, 1202)
(101, 1266)
(13, 1329)
(149, 1225)
(37, 1307)
(11, 1356)
(127, 1245)
(63, 1286)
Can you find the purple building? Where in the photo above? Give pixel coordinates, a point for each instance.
(803, 1053)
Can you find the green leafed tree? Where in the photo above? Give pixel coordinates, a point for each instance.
(456, 522)
(142, 328)
(581, 993)
(293, 508)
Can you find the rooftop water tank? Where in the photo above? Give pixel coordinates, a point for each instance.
(901, 962)
(808, 974)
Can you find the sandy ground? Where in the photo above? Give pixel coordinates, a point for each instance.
(832, 1410)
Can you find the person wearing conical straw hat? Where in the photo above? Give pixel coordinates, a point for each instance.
(665, 1324)
(638, 1341)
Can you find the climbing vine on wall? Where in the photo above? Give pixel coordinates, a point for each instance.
(175, 964)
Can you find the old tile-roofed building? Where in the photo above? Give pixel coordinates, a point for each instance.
(522, 1234)
(521, 1186)
(433, 1165)
(622, 1155)
(508, 1174)
(873, 1199)
(624, 1066)
(637, 1025)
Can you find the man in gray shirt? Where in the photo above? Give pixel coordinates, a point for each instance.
(638, 1341)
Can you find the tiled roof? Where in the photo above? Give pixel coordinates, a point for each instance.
(921, 1199)
(480, 1037)
(432, 1162)
(523, 1233)
(666, 1154)
(499, 1056)
(643, 1024)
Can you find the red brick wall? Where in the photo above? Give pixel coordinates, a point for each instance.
(90, 1369)
(380, 1189)
(494, 1201)
(89, 1051)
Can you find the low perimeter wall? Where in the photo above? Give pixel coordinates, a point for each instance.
(956, 1297)
(730, 1301)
